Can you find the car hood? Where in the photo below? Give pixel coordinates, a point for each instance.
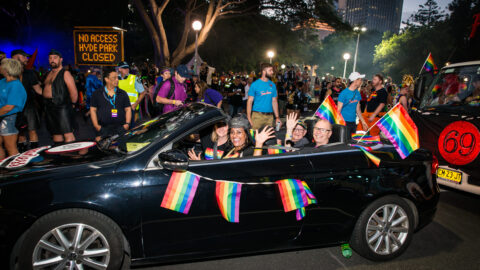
(85, 162)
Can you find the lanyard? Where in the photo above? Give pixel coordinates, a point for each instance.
(112, 100)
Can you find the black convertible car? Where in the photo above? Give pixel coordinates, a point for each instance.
(99, 208)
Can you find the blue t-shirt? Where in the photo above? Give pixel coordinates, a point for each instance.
(12, 93)
(262, 93)
(350, 99)
(211, 97)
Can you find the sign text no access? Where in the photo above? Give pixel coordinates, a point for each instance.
(98, 46)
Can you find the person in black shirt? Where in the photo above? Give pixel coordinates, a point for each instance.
(236, 93)
(110, 108)
(375, 105)
(214, 144)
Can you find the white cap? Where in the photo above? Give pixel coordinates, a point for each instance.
(355, 75)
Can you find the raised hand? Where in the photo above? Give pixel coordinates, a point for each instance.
(193, 156)
(291, 121)
(261, 137)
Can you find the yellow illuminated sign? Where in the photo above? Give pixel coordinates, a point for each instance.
(98, 47)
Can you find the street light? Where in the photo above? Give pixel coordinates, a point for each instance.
(270, 55)
(283, 66)
(197, 26)
(346, 56)
(358, 30)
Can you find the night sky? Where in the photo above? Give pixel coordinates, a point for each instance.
(411, 6)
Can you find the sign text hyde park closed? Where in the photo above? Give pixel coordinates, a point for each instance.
(98, 47)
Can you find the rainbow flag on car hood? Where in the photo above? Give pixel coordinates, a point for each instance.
(228, 199)
(400, 129)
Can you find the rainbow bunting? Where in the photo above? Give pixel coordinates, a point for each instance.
(228, 199)
(400, 130)
(371, 156)
(295, 195)
(430, 65)
(274, 151)
(366, 138)
(209, 154)
(180, 191)
(328, 111)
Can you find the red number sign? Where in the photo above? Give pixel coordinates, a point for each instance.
(459, 143)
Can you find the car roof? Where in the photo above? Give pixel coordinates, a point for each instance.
(462, 64)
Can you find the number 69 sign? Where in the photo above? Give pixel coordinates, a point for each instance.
(459, 143)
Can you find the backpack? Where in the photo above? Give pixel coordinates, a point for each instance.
(158, 107)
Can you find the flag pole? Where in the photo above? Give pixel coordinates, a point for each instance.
(361, 138)
(424, 63)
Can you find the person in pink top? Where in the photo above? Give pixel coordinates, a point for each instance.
(174, 96)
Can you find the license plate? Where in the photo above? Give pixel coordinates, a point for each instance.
(452, 176)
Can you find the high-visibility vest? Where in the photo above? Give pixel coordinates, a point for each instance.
(128, 85)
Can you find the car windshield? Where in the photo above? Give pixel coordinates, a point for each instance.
(158, 128)
(455, 88)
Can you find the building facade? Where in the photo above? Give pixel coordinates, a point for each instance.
(380, 15)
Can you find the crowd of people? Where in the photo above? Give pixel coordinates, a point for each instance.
(113, 99)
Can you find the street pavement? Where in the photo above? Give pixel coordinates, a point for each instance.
(451, 241)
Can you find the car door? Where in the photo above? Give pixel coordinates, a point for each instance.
(263, 224)
(341, 186)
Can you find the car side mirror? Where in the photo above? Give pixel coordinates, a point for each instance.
(174, 160)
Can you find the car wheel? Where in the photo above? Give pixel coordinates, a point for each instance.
(384, 229)
(74, 239)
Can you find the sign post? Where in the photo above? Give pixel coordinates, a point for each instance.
(98, 46)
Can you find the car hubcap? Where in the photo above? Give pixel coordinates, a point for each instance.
(72, 246)
(387, 229)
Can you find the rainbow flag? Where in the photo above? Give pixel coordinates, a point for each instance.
(435, 90)
(252, 134)
(300, 213)
(180, 191)
(366, 138)
(292, 193)
(209, 154)
(228, 199)
(371, 156)
(274, 151)
(400, 130)
(310, 197)
(328, 111)
(430, 65)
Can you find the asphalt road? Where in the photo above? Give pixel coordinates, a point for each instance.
(450, 242)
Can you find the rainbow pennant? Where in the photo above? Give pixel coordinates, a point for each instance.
(274, 151)
(366, 138)
(295, 195)
(180, 191)
(430, 65)
(209, 154)
(228, 199)
(328, 111)
(371, 156)
(400, 130)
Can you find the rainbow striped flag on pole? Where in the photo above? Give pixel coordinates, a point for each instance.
(400, 130)
(328, 111)
(366, 138)
(180, 191)
(228, 199)
(430, 65)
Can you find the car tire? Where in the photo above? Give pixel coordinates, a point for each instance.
(378, 238)
(74, 237)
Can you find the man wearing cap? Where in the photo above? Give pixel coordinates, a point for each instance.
(132, 85)
(30, 117)
(59, 93)
(375, 104)
(173, 96)
(262, 103)
(349, 103)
